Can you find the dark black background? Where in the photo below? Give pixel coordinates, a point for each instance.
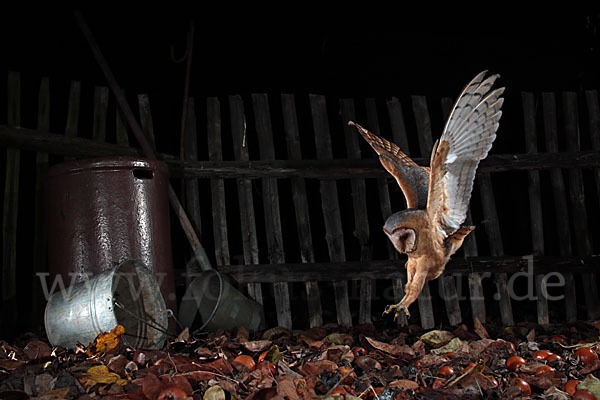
(302, 49)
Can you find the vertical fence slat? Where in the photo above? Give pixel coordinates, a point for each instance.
(270, 194)
(100, 113)
(217, 186)
(423, 122)
(469, 246)
(535, 203)
(292, 134)
(72, 124)
(246, 202)
(359, 203)
(330, 206)
(10, 210)
(121, 127)
(492, 230)
(40, 239)
(399, 134)
(593, 107)
(146, 119)
(559, 193)
(192, 196)
(191, 185)
(594, 124)
(447, 286)
(583, 245)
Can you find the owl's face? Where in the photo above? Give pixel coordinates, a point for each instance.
(404, 239)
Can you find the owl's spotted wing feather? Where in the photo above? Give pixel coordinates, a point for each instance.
(412, 178)
(466, 140)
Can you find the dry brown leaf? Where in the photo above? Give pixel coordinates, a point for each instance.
(10, 365)
(316, 367)
(257, 345)
(117, 364)
(220, 365)
(405, 384)
(204, 353)
(339, 338)
(36, 349)
(286, 388)
(274, 332)
(436, 338)
(367, 363)
(336, 353)
(394, 350)
(315, 333)
(453, 346)
(480, 329)
(244, 361)
(242, 334)
(431, 360)
(475, 348)
(419, 348)
(199, 376)
(183, 336)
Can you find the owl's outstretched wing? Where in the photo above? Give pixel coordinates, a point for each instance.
(412, 178)
(466, 140)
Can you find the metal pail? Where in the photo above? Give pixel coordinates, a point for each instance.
(211, 303)
(126, 295)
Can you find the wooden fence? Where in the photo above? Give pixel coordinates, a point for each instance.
(287, 194)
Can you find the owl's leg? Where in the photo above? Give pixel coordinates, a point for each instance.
(403, 305)
(413, 288)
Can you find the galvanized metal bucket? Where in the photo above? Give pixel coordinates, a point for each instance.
(211, 302)
(126, 295)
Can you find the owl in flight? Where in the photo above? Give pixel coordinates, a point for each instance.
(430, 230)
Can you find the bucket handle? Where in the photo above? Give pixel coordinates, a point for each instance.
(152, 324)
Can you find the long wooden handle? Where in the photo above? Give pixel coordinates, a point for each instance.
(199, 251)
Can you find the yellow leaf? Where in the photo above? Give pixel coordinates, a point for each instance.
(101, 374)
(106, 341)
(214, 393)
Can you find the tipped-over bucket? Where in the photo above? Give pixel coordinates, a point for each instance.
(211, 303)
(126, 295)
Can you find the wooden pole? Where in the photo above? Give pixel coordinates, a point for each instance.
(199, 251)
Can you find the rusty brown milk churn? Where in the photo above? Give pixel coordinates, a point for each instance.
(103, 211)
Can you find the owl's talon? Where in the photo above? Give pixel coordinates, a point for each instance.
(398, 307)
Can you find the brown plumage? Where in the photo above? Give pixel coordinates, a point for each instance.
(430, 230)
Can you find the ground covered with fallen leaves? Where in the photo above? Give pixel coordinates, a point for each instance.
(329, 362)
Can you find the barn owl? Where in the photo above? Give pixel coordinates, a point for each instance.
(430, 230)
